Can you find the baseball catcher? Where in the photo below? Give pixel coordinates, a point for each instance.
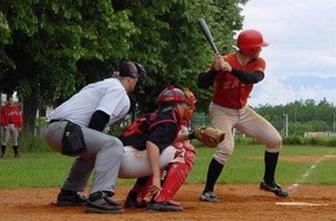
(175, 160)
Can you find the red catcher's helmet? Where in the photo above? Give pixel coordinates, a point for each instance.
(172, 95)
(190, 97)
(249, 42)
(188, 113)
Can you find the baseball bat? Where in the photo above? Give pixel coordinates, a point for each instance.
(206, 31)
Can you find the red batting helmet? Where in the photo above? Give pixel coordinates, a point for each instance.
(249, 42)
(172, 95)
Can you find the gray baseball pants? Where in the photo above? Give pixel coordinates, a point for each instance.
(11, 131)
(104, 153)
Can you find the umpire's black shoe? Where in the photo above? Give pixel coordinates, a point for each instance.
(70, 198)
(99, 202)
(165, 206)
(274, 188)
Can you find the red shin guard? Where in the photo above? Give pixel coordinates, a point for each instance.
(177, 173)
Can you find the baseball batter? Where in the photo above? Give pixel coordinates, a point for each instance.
(75, 129)
(233, 77)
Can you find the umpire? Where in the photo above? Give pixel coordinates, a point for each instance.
(76, 129)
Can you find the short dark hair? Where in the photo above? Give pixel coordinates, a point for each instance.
(9, 96)
(128, 69)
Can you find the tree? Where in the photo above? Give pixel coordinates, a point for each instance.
(47, 45)
(41, 41)
(171, 45)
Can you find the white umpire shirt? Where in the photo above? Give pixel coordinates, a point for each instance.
(108, 96)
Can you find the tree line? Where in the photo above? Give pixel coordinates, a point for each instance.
(50, 49)
(303, 116)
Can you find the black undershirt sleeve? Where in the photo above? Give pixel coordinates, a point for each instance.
(163, 135)
(248, 77)
(99, 120)
(206, 79)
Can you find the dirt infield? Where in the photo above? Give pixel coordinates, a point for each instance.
(238, 202)
(311, 159)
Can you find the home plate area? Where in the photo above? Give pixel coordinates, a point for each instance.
(238, 202)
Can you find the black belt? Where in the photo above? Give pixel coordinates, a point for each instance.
(55, 120)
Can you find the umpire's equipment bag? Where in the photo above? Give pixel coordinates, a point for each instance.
(73, 140)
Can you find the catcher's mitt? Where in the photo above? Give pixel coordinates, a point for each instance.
(209, 136)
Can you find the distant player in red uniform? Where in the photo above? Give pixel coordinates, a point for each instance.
(233, 77)
(12, 122)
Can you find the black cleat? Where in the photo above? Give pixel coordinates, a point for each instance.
(274, 188)
(99, 202)
(165, 206)
(70, 198)
(209, 197)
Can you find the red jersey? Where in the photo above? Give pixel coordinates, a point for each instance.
(229, 91)
(11, 115)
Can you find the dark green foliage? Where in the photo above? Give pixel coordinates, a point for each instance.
(50, 49)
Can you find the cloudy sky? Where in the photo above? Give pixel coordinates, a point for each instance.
(301, 58)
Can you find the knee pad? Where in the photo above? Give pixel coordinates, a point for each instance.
(185, 153)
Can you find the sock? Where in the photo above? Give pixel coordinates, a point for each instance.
(15, 148)
(68, 192)
(271, 161)
(141, 181)
(140, 188)
(3, 149)
(215, 169)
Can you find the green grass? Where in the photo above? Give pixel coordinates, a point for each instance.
(242, 169)
(49, 169)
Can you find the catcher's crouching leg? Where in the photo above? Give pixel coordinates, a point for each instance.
(177, 172)
(136, 198)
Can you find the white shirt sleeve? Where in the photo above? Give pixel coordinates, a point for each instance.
(114, 102)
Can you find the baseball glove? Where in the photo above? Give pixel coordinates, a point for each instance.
(209, 136)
